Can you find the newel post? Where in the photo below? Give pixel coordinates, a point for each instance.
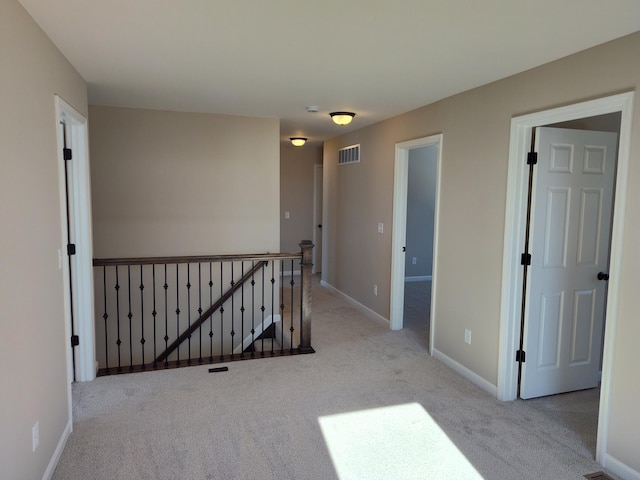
(305, 305)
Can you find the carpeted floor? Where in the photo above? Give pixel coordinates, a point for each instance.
(417, 309)
(370, 404)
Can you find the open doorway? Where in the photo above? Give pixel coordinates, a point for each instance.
(418, 270)
(572, 209)
(515, 238)
(415, 221)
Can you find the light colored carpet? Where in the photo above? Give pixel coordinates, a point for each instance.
(417, 309)
(371, 403)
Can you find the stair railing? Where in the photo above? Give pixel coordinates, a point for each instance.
(167, 312)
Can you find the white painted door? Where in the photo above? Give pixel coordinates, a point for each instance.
(570, 240)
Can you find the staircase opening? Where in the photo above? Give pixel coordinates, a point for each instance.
(169, 312)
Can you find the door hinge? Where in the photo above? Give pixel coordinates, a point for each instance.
(75, 340)
(525, 259)
(532, 158)
(71, 249)
(520, 356)
(66, 153)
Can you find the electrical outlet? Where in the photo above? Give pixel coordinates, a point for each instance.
(467, 336)
(287, 215)
(375, 290)
(414, 260)
(380, 227)
(35, 436)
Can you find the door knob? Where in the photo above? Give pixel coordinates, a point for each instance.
(603, 276)
(319, 226)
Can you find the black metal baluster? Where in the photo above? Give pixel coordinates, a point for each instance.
(130, 316)
(221, 317)
(273, 296)
(142, 340)
(166, 315)
(262, 309)
(105, 316)
(177, 312)
(211, 317)
(118, 342)
(189, 311)
(200, 307)
(242, 311)
(281, 306)
(291, 329)
(233, 333)
(154, 313)
(253, 310)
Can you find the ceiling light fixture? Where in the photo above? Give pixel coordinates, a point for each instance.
(298, 141)
(342, 118)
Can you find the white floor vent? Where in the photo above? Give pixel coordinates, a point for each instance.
(350, 154)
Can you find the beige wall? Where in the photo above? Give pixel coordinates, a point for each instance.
(33, 352)
(296, 194)
(476, 136)
(170, 183)
(476, 127)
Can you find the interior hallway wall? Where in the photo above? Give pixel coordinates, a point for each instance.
(476, 129)
(173, 183)
(34, 350)
(296, 194)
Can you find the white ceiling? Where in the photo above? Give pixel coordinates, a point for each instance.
(378, 58)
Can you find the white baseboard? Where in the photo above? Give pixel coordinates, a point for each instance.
(466, 373)
(53, 463)
(424, 278)
(363, 308)
(618, 468)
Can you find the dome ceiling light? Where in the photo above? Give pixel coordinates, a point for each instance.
(342, 118)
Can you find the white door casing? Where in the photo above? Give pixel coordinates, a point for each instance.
(570, 231)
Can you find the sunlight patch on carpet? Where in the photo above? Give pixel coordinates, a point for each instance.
(399, 442)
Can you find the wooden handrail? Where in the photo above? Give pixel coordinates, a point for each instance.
(210, 311)
(109, 262)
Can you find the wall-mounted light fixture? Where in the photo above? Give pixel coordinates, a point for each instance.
(298, 141)
(342, 118)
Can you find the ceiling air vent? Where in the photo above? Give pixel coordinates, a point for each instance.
(349, 154)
